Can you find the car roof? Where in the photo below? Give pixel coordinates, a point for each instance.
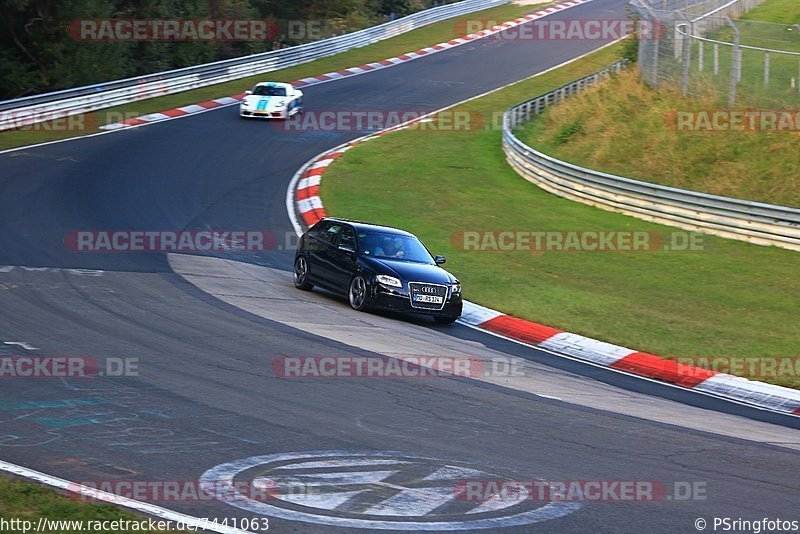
(359, 225)
(274, 84)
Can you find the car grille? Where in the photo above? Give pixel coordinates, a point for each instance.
(427, 290)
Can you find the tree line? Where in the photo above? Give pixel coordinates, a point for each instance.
(39, 52)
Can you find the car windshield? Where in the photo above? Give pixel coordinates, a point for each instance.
(393, 246)
(266, 90)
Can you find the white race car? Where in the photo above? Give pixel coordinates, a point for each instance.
(272, 100)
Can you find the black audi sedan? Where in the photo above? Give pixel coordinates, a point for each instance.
(376, 267)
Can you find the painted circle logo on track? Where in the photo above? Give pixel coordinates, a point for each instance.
(383, 490)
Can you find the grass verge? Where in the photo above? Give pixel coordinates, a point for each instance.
(414, 40)
(625, 127)
(780, 11)
(24, 501)
(728, 299)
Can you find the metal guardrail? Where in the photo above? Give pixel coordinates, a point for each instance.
(38, 108)
(755, 222)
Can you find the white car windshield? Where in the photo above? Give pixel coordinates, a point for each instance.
(265, 90)
(393, 246)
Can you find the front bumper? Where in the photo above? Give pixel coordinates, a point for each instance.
(398, 300)
(262, 114)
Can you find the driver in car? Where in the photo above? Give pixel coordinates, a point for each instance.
(391, 248)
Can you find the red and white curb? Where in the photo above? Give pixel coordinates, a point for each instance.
(201, 107)
(304, 204)
(175, 113)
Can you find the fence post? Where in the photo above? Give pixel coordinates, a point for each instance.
(766, 69)
(653, 74)
(688, 31)
(716, 59)
(700, 56)
(739, 53)
(735, 66)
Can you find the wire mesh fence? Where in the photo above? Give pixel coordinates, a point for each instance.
(706, 48)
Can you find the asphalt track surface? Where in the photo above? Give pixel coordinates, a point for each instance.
(205, 394)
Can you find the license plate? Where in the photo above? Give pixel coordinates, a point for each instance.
(432, 299)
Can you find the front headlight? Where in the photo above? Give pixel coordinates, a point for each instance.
(456, 289)
(389, 280)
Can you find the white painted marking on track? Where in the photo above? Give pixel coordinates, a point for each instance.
(501, 502)
(340, 463)
(321, 500)
(24, 344)
(339, 478)
(413, 502)
(404, 503)
(451, 472)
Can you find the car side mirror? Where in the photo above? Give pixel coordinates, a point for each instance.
(439, 259)
(349, 249)
(248, 92)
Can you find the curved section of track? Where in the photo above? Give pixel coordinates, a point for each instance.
(205, 395)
